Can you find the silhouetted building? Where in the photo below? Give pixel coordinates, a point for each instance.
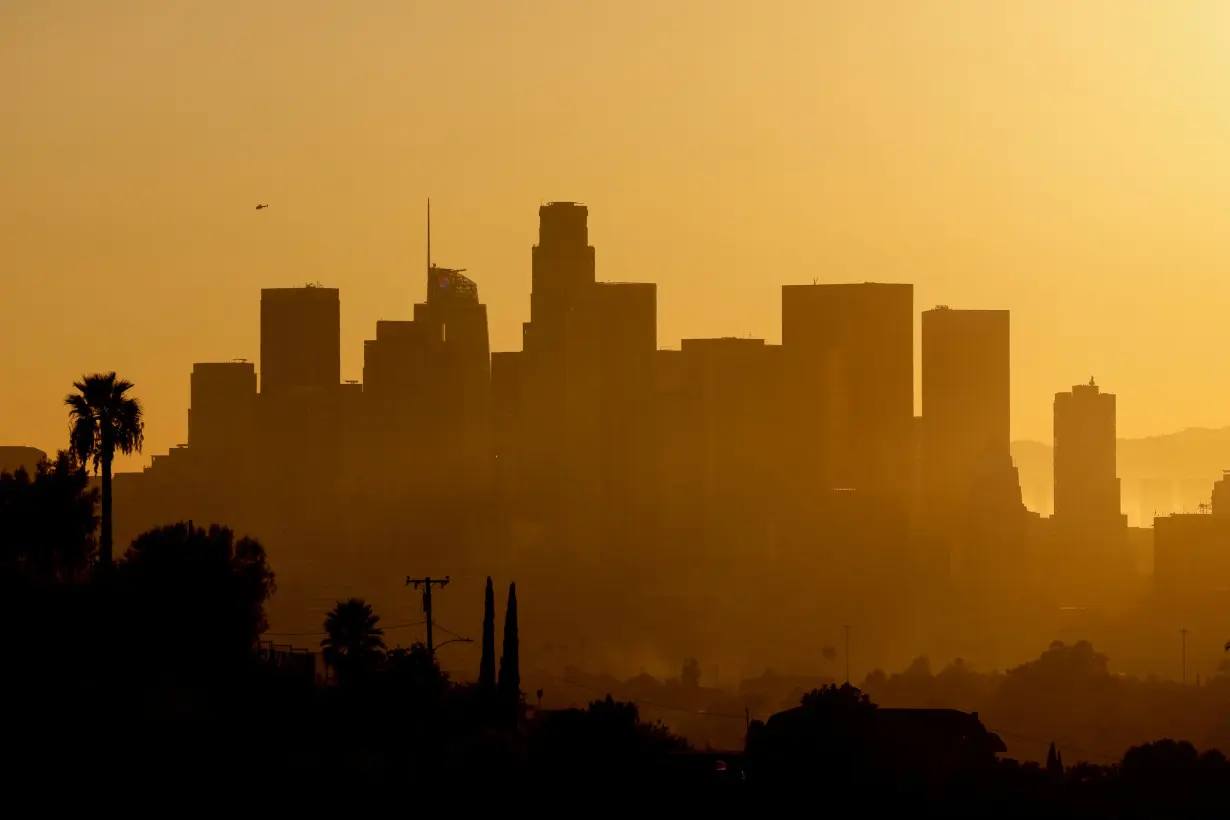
(395, 375)
(720, 445)
(1191, 563)
(609, 390)
(563, 274)
(966, 395)
(967, 463)
(848, 359)
(563, 270)
(454, 328)
(1086, 481)
(1090, 529)
(223, 406)
(300, 339)
(1191, 554)
(994, 548)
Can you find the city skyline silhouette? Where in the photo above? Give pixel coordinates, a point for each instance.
(1014, 191)
(727, 398)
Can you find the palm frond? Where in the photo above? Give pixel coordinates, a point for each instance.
(104, 419)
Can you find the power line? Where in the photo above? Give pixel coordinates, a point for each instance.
(448, 631)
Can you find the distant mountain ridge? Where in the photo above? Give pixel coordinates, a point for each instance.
(1191, 460)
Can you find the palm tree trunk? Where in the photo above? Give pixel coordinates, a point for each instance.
(104, 541)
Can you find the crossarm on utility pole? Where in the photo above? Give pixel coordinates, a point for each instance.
(426, 584)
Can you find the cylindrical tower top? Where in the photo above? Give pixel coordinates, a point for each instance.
(563, 223)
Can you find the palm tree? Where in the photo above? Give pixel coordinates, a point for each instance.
(355, 641)
(104, 419)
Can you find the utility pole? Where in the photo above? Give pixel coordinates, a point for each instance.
(846, 627)
(426, 584)
(1183, 632)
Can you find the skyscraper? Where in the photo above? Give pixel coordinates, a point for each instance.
(608, 399)
(848, 356)
(1086, 481)
(563, 270)
(724, 446)
(456, 396)
(223, 406)
(966, 402)
(300, 340)
(562, 278)
(428, 388)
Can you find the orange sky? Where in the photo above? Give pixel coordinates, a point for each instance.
(1066, 159)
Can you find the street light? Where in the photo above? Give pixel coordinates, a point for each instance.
(451, 640)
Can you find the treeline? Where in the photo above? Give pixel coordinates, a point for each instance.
(1071, 695)
(149, 666)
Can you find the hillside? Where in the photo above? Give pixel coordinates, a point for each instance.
(1188, 461)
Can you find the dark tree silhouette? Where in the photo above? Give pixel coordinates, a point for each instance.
(354, 644)
(510, 661)
(831, 732)
(604, 743)
(48, 521)
(104, 419)
(1054, 763)
(414, 676)
(486, 666)
(196, 595)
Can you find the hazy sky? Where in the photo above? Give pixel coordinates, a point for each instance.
(1066, 159)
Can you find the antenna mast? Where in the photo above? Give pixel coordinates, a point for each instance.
(429, 282)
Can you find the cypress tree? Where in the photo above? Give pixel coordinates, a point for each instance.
(486, 666)
(510, 661)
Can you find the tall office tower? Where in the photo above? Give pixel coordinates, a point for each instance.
(397, 378)
(966, 416)
(427, 390)
(1086, 484)
(300, 340)
(966, 392)
(454, 316)
(848, 381)
(298, 434)
(727, 445)
(223, 404)
(563, 276)
(458, 413)
(611, 338)
(563, 271)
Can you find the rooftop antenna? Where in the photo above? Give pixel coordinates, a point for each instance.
(428, 245)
